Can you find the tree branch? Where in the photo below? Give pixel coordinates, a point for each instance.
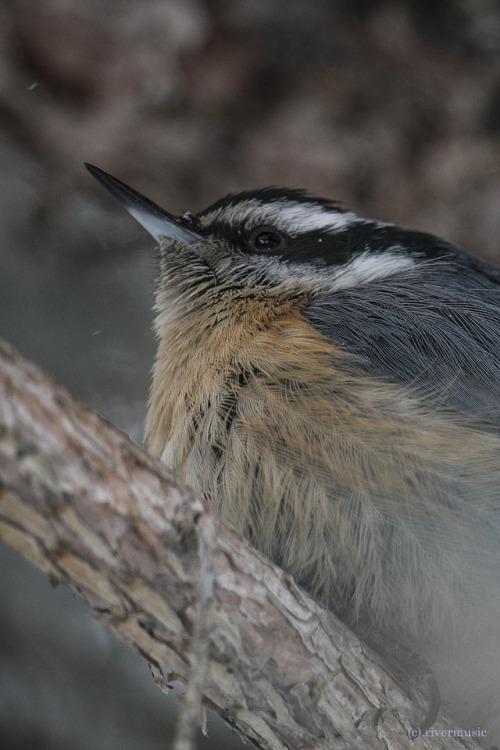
(85, 504)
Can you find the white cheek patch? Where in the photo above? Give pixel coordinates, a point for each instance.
(369, 267)
(289, 217)
(360, 270)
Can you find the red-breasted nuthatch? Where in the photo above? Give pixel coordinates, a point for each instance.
(332, 384)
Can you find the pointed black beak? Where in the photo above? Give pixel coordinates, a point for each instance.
(155, 220)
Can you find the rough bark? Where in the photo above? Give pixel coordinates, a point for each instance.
(88, 506)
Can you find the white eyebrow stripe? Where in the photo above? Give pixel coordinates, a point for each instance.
(369, 267)
(288, 216)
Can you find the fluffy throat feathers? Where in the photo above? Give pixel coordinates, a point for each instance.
(227, 333)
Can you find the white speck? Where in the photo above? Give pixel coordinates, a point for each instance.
(33, 86)
(96, 333)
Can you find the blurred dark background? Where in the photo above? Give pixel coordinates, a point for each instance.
(391, 107)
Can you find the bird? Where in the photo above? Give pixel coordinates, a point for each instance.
(332, 385)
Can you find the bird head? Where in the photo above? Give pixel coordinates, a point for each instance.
(270, 239)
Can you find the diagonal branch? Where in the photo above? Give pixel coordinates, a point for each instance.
(84, 503)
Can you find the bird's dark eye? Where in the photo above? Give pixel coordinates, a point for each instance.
(266, 240)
